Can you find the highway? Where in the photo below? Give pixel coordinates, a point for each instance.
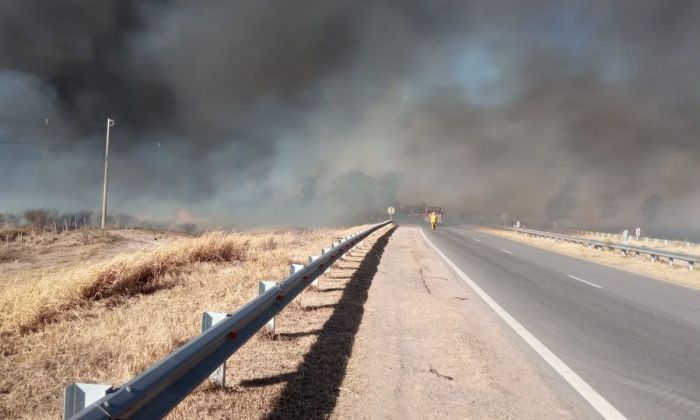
(633, 339)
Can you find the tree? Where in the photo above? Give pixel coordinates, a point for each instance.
(84, 217)
(388, 188)
(607, 207)
(354, 196)
(40, 218)
(12, 219)
(650, 208)
(563, 203)
(354, 188)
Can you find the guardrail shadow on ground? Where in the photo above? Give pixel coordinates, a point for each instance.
(312, 391)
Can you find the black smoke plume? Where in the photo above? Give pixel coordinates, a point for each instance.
(224, 108)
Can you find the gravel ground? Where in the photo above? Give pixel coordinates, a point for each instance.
(427, 347)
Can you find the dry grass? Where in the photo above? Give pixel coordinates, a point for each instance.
(44, 254)
(8, 234)
(671, 246)
(111, 321)
(641, 265)
(31, 305)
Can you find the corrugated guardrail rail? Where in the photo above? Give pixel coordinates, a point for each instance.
(155, 392)
(653, 254)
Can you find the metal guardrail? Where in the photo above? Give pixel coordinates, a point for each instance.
(156, 391)
(654, 254)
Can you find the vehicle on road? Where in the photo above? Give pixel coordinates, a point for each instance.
(439, 212)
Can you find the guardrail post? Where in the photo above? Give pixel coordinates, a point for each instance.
(78, 396)
(344, 254)
(209, 319)
(313, 258)
(293, 268)
(264, 286)
(323, 252)
(653, 257)
(691, 265)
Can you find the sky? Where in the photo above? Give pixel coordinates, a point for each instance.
(222, 108)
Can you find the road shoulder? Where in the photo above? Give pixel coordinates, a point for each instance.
(678, 275)
(427, 347)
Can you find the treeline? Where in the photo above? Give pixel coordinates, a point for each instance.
(51, 220)
(354, 196)
(562, 205)
(44, 219)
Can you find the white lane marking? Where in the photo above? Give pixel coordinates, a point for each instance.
(600, 404)
(506, 251)
(476, 240)
(584, 281)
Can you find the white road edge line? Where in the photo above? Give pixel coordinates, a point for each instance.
(476, 240)
(600, 404)
(584, 281)
(506, 251)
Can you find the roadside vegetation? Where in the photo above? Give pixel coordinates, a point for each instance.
(30, 305)
(678, 274)
(105, 320)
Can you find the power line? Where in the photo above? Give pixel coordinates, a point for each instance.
(31, 143)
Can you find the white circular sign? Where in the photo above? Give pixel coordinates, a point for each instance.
(391, 210)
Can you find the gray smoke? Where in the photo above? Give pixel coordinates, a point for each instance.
(223, 108)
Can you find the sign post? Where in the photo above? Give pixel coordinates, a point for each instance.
(391, 210)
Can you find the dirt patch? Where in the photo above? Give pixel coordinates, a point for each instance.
(678, 274)
(428, 348)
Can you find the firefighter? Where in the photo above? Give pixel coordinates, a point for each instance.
(433, 220)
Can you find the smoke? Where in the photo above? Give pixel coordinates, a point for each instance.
(224, 108)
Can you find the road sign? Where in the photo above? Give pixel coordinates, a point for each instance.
(391, 210)
(637, 232)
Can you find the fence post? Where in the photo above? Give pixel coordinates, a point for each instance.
(209, 319)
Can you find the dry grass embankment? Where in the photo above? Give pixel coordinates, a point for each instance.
(109, 322)
(36, 255)
(29, 306)
(655, 244)
(640, 265)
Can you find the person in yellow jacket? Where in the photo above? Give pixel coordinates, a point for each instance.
(433, 220)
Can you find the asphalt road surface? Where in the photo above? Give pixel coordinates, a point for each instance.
(633, 339)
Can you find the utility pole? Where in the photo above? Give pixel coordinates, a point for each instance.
(110, 123)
